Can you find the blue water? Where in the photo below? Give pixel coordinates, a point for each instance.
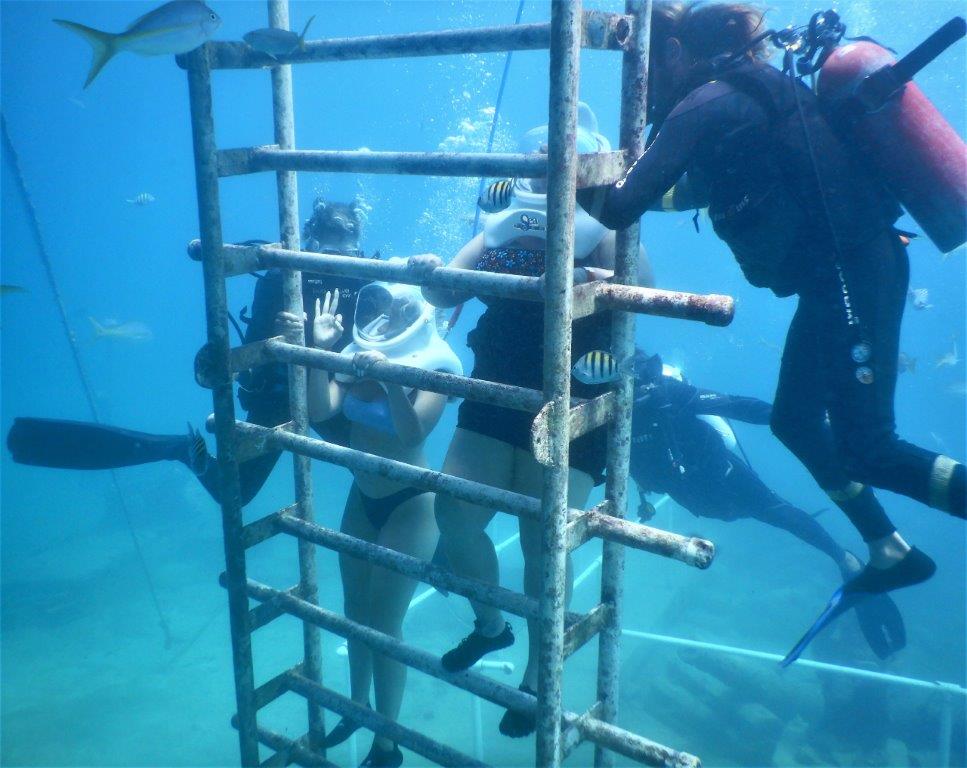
(86, 676)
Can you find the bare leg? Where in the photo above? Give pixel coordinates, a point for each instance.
(462, 526)
(528, 479)
(411, 530)
(356, 576)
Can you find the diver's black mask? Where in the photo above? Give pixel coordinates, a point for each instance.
(312, 246)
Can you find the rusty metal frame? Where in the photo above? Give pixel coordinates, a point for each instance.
(559, 419)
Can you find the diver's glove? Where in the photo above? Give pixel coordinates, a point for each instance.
(646, 510)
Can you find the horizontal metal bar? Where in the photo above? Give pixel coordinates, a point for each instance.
(414, 568)
(579, 633)
(598, 296)
(439, 753)
(594, 169)
(264, 528)
(571, 737)
(607, 31)
(264, 614)
(476, 282)
(584, 417)
(712, 309)
(688, 550)
(274, 689)
(295, 749)
(492, 393)
(636, 747)
(405, 474)
(612, 737)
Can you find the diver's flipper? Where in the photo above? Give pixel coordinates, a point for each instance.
(882, 625)
(838, 604)
(871, 584)
(84, 445)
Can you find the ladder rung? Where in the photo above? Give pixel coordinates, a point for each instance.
(579, 633)
(612, 737)
(264, 528)
(571, 737)
(584, 417)
(711, 309)
(609, 31)
(600, 522)
(372, 720)
(415, 568)
(291, 748)
(266, 613)
(273, 689)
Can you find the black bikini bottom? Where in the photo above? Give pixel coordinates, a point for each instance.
(378, 509)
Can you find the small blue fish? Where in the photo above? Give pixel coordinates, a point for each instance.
(599, 367)
(496, 197)
(276, 42)
(176, 27)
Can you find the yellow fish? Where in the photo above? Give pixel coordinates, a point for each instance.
(599, 367)
(134, 330)
(496, 197)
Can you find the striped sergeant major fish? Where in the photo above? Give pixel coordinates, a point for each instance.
(599, 367)
(496, 197)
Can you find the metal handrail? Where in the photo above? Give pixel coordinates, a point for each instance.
(609, 31)
(593, 170)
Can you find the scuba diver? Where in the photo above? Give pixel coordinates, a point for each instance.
(262, 393)
(682, 445)
(492, 445)
(393, 323)
(803, 214)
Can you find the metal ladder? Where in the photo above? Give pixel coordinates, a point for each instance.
(558, 419)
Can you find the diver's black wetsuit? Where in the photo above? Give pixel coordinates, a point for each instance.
(675, 452)
(508, 348)
(741, 141)
(263, 394)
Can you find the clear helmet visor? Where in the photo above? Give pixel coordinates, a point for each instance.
(384, 313)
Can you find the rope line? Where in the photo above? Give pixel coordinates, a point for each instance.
(81, 372)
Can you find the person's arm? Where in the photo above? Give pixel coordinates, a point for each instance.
(686, 195)
(751, 410)
(662, 164)
(324, 395)
(466, 258)
(413, 419)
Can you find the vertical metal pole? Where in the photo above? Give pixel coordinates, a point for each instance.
(558, 276)
(634, 83)
(216, 314)
(288, 194)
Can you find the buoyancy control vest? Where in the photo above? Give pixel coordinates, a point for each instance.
(785, 193)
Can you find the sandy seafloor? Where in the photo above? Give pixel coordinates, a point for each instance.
(87, 675)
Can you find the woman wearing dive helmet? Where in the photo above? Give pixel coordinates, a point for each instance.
(803, 216)
(492, 445)
(392, 322)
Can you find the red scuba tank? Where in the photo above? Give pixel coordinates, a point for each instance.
(920, 157)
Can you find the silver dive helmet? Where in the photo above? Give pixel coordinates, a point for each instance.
(395, 319)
